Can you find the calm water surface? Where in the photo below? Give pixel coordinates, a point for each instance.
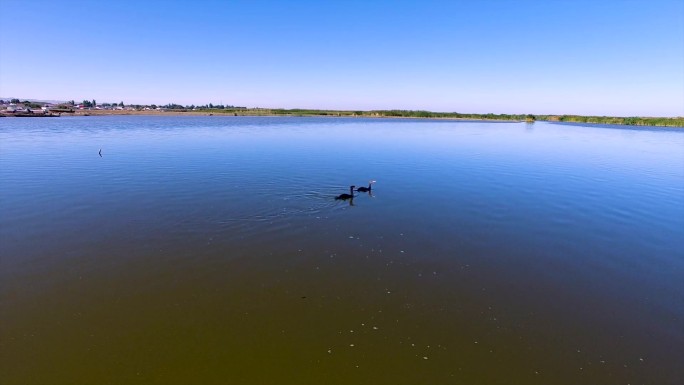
(210, 250)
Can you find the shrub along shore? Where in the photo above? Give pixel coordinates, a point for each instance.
(631, 121)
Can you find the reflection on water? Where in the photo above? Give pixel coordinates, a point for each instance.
(212, 250)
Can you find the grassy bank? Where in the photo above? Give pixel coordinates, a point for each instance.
(631, 121)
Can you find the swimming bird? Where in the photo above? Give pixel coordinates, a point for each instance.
(366, 189)
(100, 152)
(346, 196)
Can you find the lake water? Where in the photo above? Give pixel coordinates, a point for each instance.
(211, 250)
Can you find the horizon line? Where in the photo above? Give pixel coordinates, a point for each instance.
(58, 101)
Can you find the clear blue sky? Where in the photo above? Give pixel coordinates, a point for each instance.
(604, 57)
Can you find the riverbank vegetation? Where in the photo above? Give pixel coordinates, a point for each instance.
(93, 108)
(632, 121)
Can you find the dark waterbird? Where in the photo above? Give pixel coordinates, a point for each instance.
(366, 189)
(346, 196)
(100, 152)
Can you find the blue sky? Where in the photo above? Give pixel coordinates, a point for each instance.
(621, 58)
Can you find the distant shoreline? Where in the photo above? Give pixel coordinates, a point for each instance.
(265, 114)
(405, 114)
